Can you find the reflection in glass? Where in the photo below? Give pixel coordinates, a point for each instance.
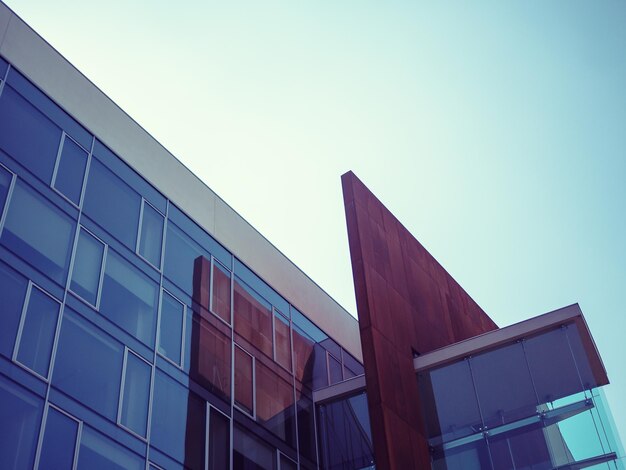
(220, 296)
(87, 267)
(171, 327)
(129, 298)
(118, 212)
(38, 232)
(92, 376)
(98, 452)
(334, 370)
(12, 294)
(282, 341)
(134, 412)
(244, 380)
(151, 235)
(249, 453)
(38, 329)
(27, 135)
(59, 441)
(181, 253)
(219, 441)
(71, 170)
(23, 410)
(253, 317)
(275, 403)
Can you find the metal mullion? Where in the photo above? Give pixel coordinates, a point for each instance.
(140, 231)
(83, 187)
(79, 435)
(293, 384)
(140, 227)
(274, 333)
(122, 385)
(138, 356)
(105, 254)
(20, 327)
(5, 211)
(73, 262)
(57, 160)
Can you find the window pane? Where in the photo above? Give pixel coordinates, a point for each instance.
(27, 135)
(171, 328)
(178, 422)
(87, 267)
(12, 294)
(243, 380)
(40, 325)
(71, 170)
(136, 395)
(98, 452)
(118, 212)
(253, 317)
(275, 403)
(151, 235)
(5, 183)
(181, 253)
(93, 375)
(287, 464)
(306, 424)
(20, 415)
(282, 340)
(210, 353)
(334, 370)
(38, 232)
(129, 298)
(59, 441)
(249, 453)
(219, 441)
(221, 292)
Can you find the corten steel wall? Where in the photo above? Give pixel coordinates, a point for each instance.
(406, 303)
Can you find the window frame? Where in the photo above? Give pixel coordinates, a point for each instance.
(214, 260)
(183, 331)
(280, 454)
(57, 162)
(235, 405)
(209, 409)
(102, 267)
(276, 311)
(140, 229)
(20, 331)
(5, 210)
(120, 401)
(42, 430)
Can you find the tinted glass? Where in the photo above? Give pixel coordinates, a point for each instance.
(93, 376)
(287, 464)
(220, 297)
(136, 395)
(5, 183)
(306, 424)
(171, 328)
(38, 232)
(118, 212)
(351, 367)
(12, 294)
(275, 403)
(249, 453)
(243, 380)
(27, 135)
(253, 317)
(282, 341)
(181, 253)
(87, 267)
(98, 452)
(129, 298)
(19, 440)
(219, 441)
(178, 422)
(334, 370)
(151, 235)
(38, 331)
(71, 170)
(59, 441)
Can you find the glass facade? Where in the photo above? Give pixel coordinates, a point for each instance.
(529, 404)
(129, 337)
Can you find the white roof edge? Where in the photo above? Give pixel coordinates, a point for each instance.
(84, 101)
(496, 337)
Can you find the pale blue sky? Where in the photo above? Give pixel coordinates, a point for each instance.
(495, 131)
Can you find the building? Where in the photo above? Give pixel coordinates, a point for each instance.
(144, 324)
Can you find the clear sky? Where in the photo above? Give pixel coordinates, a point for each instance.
(495, 131)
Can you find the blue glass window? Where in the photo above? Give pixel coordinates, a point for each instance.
(171, 328)
(5, 184)
(27, 135)
(151, 235)
(38, 232)
(118, 212)
(129, 298)
(22, 410)
(38, 330)
(59, 442)
(251, 453)
(178, 422)
(98, 452)
(88, 365)
(134, 409)
(219, 440)
(12, 294)
(71, 170)
(180, 255)
(87, 267)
